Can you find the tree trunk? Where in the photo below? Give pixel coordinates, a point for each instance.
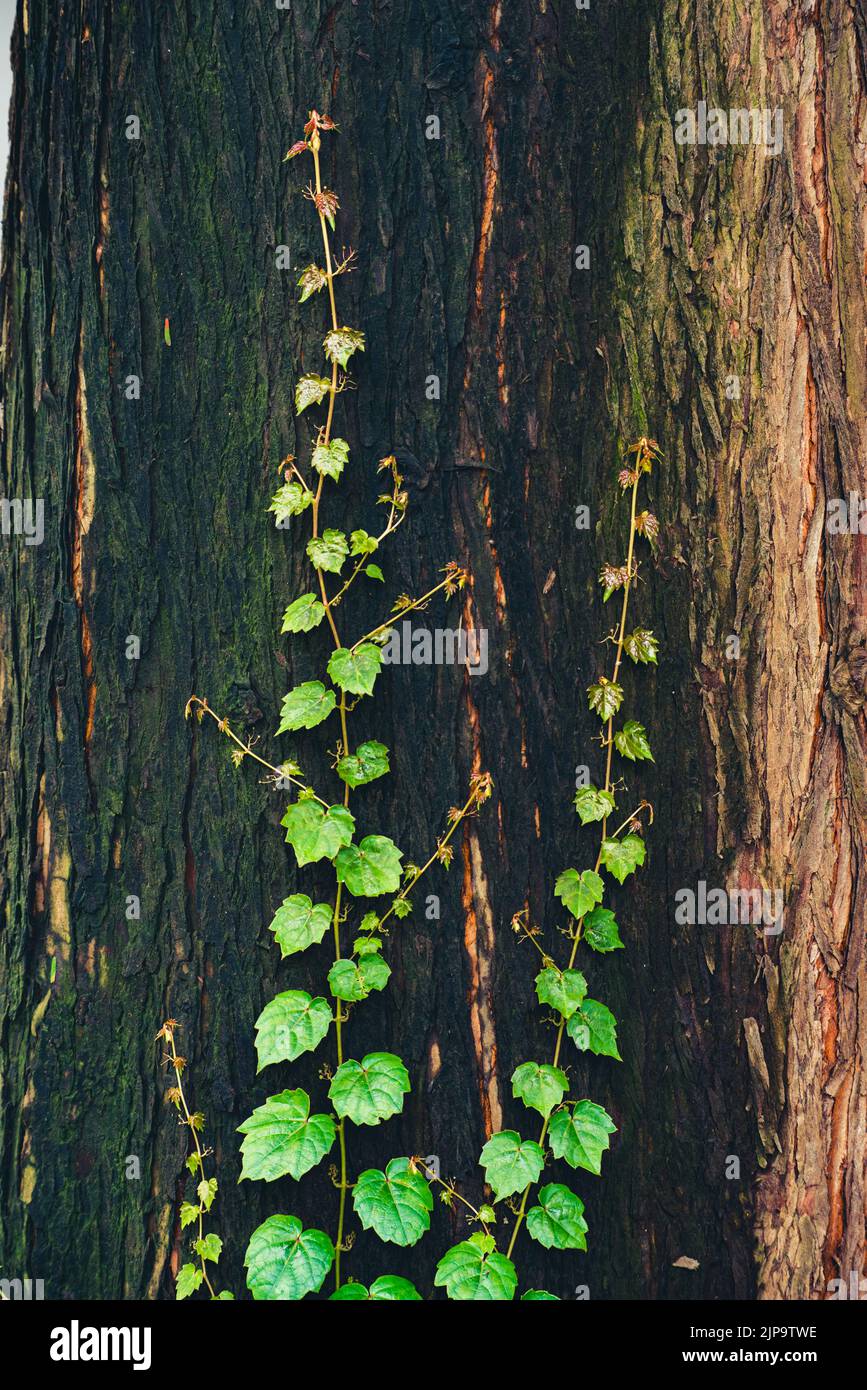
(557, 130)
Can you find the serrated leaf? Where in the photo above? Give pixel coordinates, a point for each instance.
(558, 1221)
(286, 1262)
(305, 613)
(310, 280)
(540, 1086)
(579, 892)
(341, 343)
(511, 1163)
(564, 990)
(331, 458)
(369, 761)
(310, 390)
(206, 1192)
(605, 697)
(189, 1214)
(388, 1288)
(622, 857)
(361, 543)
(306, 706)
(292, 1023)
(641, 646)
(283, 1137)
(631, 741)
(539, 1296)
(371, 1090)
(395, 1204)
(579, 1134)
(356, 670)
(474, 1270)
(594, 1028)
(189, 1279)
(298, 924)
(593, 803)
(315, 832)
(210, 1247)
(601, 931)
(370, 868)
(328, 551)
(354, 980)
(290, 500)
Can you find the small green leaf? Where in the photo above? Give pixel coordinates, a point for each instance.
(622, 857)
(370, 868)
(210, 1247)
(352, 981)
(601, 931)
(579, 892)
(360, 543)
(369, 761)
(298, 924)
(189, 1213)
(310, 280)
(316, 833)
(594, 1027)
(593, 804)
(305, 613)
(189, 1279)
(356, 670)
(395, 1204)
(558, 1221)
(341, 343)
(306, 706)
(290, 500)
(631, 741)
(328, 551)
(206, 1192)
(331, 458)
(292, 1023)
(539, 1086)
(282, 1137)
(310, 390)
(474, 1270)
(371, 1090)
(641, 646)
(580, 1135)
(511, 1163)
(539, 1296)
(605, 697)
(286, 1262)
(388, 1288)
(564, 990)
(374, 572)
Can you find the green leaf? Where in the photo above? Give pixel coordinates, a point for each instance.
(206, 1192)
(290, 500)
(189, 1213)
(631, 741)
(316, 833)
(474, 1270)
(511, 1163)
(290, 1024)
(622, 857)
(539, 1086)
(395, 1204)
(310, 280)
(298, 924)
(601, 931)
(580, 1135)
(371, 1090)
(210, 1247)
(360, 543)
(351, 980)
(341, 343)
(369, 761)
(539, 1296)
(189, 1279)
(310, 390)
(641, 646)
(374, 572)
(370, 868)
(286, 1262)
(579, 892)
(594, 1027)
(558, 1221)
(388, 1288)
(305, 613)
(328, 551)
(306, 706)
(356, 670)
(593, 804)
(605, 697)
(331, 458)
(282, 1137)
(564, 990)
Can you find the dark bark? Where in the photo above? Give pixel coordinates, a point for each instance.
(556, 131)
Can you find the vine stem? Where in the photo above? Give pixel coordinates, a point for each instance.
(167, 1032)
(223, 725)
(609, 738)
(452, 1191)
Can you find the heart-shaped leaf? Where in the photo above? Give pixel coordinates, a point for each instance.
(283, 1137)
(298, 924)
(306, 706)
(580, 1135)
(388, 1288)
(395, 1204)
(369, 761)
(290, 1024)
(558, 1221)
(371, 868)
(315, 832)
(355, 670)
(286, 1262)
(331, 458)
(310, 390)
(353, 980)
(564, 990)
(371, 1090)
(328, 551)
(579, 892)
(601, 931)
(511, 1163)
(302, 615)
(594, 1028)
(474, 1270)
(621, 857)
(539, 1086)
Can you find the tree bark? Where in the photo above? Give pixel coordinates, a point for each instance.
(706, 264)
